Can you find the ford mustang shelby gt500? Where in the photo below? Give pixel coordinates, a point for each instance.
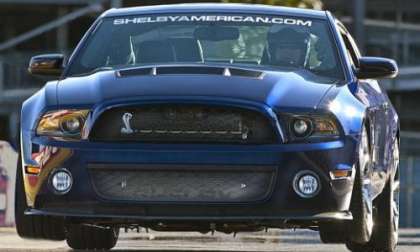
(211, 117)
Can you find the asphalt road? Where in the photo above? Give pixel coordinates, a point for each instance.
(274, 240)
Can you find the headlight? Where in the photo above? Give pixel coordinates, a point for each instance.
(301, 127)
(62, 123)
(325, 127)
(310, 128)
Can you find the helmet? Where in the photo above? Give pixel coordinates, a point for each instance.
(288, 47)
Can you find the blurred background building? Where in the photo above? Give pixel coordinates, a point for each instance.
(389, 28)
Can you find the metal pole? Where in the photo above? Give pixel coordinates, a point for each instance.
(13, 130)
(409, 192)
(398, 23)
(62, 33)
(116, 3)
(359, 13)
(2, 77)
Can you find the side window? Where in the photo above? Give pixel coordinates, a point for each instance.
(354, 45)
(351, 48)
(351, 52)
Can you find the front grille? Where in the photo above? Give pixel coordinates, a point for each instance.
(183, 123)
(160, 183)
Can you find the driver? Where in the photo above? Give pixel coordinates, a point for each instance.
(288, 48)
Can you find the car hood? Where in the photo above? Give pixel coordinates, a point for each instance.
(275, 89)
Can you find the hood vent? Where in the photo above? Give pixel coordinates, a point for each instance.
(204, 70)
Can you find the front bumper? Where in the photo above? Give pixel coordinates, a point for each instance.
(282, 204)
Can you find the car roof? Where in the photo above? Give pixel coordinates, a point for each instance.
(216, 7)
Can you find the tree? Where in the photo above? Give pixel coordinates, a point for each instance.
(311, 4)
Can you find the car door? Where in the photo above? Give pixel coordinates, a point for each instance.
(372, 95)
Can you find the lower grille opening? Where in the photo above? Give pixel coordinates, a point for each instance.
(174, 183)
(183, 124)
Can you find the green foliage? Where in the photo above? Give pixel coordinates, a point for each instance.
(311, 4)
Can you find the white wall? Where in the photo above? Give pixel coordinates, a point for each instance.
(8, 160)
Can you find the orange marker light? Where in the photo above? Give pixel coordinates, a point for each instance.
(33, 170)
(340, 174)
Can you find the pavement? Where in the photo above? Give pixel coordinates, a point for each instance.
(273, 240)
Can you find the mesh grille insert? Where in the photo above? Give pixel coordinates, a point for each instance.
(182, 183)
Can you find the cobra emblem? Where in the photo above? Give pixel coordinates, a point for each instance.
(126, 121)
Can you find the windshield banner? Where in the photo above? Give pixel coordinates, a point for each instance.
(213, 18)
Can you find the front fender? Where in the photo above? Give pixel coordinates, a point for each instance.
(32, 109)
(349, 110)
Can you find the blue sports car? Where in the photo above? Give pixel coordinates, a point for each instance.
(210, 117)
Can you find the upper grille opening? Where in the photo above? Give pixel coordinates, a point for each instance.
(183, 123)
(210, 70)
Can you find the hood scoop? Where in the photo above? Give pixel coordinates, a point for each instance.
(203, 70)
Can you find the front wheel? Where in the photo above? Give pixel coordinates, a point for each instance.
(334, 233)
(34, 227)
(385, 236)
(385, 232)
(361, 206)
(87, 237)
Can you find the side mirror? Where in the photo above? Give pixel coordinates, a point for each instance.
(47, 64)
(377, 68)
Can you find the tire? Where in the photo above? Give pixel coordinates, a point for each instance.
(355, 247)
(34, 227)
(385, 233)
(333, 233)
(84, 237)
(385, 236)
(361, 207)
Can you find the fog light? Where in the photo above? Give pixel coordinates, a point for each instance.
(306, 184)
(61, 181)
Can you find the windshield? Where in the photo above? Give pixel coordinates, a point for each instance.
(257, 41)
